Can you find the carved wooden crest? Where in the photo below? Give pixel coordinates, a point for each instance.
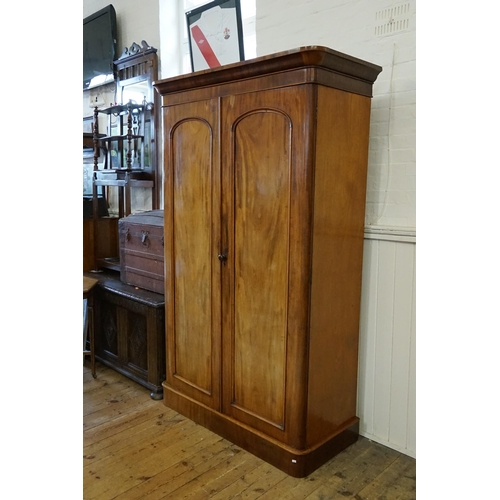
(136, 49)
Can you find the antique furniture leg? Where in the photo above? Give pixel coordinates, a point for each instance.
(88, 284)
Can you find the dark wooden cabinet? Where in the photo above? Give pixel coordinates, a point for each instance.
(130, 332)
(265, 185)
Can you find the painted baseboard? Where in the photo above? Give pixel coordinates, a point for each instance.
(389, 444)
(387, 343)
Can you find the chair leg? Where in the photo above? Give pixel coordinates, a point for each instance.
(92, 346)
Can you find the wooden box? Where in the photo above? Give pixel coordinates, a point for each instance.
(141, 250)
(130, 332)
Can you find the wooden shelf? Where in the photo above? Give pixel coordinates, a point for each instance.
(112, 263)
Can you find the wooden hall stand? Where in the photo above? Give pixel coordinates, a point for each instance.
(89, 332)
(124, 157)
(265, 192)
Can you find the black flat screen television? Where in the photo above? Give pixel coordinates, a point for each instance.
(99, 47)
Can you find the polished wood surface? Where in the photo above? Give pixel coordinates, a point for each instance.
(293, 461)
(308, 64)
(192, 241)
(88, 284)
(337, 237)
(266, 184)
(261, 221)
(264, 201)
(135, 448)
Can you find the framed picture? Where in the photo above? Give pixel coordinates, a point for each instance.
(215, 34)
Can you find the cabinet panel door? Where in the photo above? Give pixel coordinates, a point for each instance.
(192, 239)
(264, 135)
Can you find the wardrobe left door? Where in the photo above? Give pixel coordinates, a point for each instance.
(192, 249)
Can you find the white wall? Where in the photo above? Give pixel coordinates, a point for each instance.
(136, 21)
(171, 23)
(354, 27)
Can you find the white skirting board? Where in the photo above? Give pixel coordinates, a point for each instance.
(387, 371)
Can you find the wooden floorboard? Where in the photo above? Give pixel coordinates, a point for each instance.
(136, 448)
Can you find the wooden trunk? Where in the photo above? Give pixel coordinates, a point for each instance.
(141, 250)
(265, 185)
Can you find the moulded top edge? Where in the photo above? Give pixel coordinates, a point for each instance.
(142, 216)
(310, 56)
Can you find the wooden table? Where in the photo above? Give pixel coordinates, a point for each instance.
(88, 328)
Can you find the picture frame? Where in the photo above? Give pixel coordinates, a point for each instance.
(215, 34)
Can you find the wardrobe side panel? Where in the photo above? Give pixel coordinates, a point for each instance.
(339, 206)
